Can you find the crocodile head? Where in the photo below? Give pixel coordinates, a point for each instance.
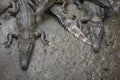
(25, 47)
(96, 32)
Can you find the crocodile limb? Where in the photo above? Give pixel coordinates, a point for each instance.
(15, 8)
(12, 11)
(95, 22)
(3, 10)
(69, 24)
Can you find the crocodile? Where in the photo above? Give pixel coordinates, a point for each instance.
(95, 21)
(4, 6)
(27, 33)
(68, 23)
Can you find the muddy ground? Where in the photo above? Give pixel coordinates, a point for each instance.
(66, 58)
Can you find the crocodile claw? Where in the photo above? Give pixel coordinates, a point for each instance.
(46, 42)
(6, 17)
(5, 44)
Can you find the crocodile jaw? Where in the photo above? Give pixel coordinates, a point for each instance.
(25, 51)
(96, 37)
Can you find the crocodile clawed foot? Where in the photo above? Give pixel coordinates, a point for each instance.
(6, 17)
(5, 44)
(41, 34)
(46, 42)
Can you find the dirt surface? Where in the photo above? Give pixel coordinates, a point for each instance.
(66, 58)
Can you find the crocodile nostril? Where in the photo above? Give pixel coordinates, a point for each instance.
(96, 47)
(24, 65)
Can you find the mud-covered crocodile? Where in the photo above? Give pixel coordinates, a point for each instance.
(95, 22)
(5, 5)
(27, 34)
(68, 23)
(95, 19)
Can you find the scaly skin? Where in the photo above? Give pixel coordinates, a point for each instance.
(109, 9)
(68, 24)
(97, 2)
(5, 5)
(45, 4)
(95, 20)
(26, 23)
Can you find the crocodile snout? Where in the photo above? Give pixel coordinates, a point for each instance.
(96, 36)
(25, 51)
(96, 47)
(24, 64)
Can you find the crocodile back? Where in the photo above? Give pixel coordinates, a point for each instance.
(26, 16)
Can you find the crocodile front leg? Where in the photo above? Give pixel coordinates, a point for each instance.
(41, 34)
(96, 30)
(11, 11)
(10, 37)
(15, 8)
(64, 6)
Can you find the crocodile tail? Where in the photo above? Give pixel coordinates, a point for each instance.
(55, 10)
(68, 24)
